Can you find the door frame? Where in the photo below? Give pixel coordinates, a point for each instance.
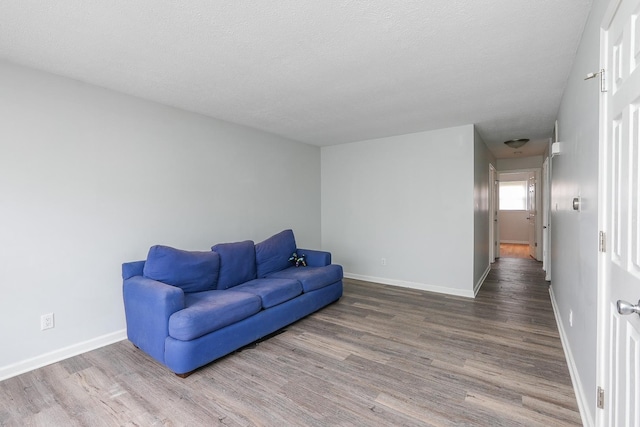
(602, 338)
(534, 208)
(539, 190)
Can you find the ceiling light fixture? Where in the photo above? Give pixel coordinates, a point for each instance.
(516, 143)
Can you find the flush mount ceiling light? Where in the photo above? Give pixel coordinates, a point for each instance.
(516, 143)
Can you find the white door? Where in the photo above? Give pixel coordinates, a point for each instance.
(494, 250)
(546, 203)
(531, 216)
(619, 216)
(496, 192)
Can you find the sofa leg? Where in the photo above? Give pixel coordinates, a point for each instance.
(185, 375)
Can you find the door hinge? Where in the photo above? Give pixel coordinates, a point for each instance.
(603, 81)
(602, 242)
(600, 398)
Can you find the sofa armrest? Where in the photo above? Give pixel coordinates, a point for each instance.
(315, 258)
(148, 304)
(130, 269)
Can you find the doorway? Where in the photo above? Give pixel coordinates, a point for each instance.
(518, 219)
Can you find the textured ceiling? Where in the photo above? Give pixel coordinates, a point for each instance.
(324, 72)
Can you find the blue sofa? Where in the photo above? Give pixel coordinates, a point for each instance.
(186, 309)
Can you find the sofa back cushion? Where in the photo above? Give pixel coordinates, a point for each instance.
(273, 253)
(191, 271)
(237, 263)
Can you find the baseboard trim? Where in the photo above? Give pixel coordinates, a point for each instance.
(515, 242)
(478, 285)
(60, 354)
(412, 285)
(583, 404)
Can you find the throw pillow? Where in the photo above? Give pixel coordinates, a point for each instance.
(273, 253)
(192, 271)
(237, 263)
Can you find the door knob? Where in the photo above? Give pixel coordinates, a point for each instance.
(576, 203)
(628, 308)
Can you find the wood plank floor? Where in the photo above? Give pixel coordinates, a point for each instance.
(514, 250)
(381, 356)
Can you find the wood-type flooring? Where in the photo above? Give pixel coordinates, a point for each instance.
(381, 356)
(514, 250)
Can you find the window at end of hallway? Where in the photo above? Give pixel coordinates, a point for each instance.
(513, 196)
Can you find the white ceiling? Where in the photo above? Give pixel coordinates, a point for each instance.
(321, 72)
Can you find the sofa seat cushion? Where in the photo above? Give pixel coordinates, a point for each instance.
(191, 271)
(273, 253)
(311, 278)
(209, 311)
(271, 291)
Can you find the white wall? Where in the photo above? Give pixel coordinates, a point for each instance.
(90, 178)
(407, 199)
(514, 226)
(530, 162)
(513, 176)
(481, 238)
(574, 235)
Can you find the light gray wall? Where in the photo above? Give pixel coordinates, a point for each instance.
(481, 239)
(407, 199)
(91, 178)
(514, 226)
(530, 162)
(574, 234)
(516, 176)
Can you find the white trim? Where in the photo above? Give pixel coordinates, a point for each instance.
(603, 282)
(538, 213)
(478, 285)
(412, 285)
(60, 354)
(493, 215)
(516, 242)
(509, 171)
(583, 402)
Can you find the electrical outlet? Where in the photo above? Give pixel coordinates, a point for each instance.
(571, 318)
(383, 261)
(46, 321)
